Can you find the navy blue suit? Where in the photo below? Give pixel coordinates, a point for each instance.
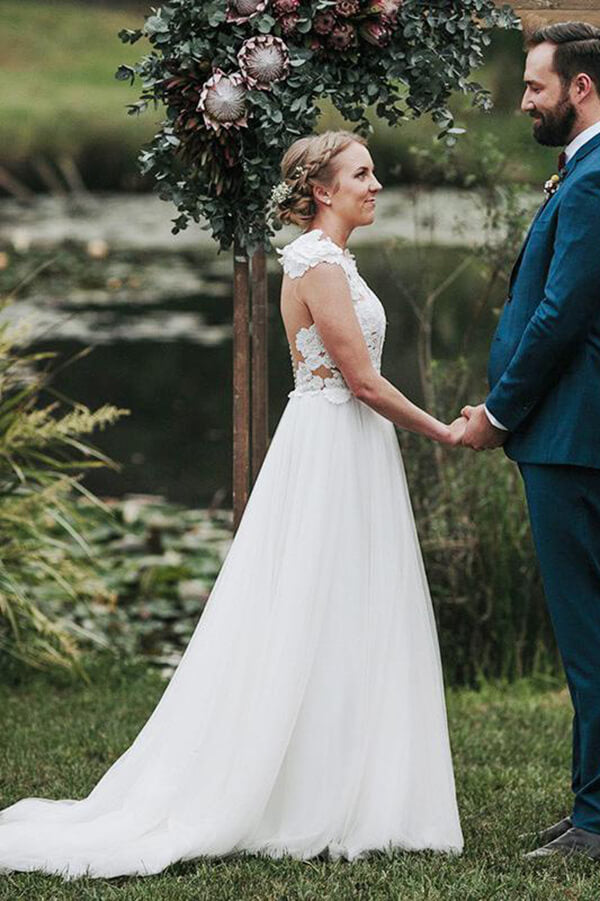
(544, 373)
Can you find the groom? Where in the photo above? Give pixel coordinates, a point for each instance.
(544, 404)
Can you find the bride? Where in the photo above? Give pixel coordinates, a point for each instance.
(307, 713)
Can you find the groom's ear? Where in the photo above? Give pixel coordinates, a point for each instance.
(582, 87)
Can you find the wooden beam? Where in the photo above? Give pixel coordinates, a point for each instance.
(578, 6)
(548, 11)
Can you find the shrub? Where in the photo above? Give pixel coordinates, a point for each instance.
(43, 456)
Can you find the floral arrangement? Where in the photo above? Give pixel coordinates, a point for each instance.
(241, 79)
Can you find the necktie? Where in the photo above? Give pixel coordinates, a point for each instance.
(562, 161)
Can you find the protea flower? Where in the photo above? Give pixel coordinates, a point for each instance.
(223, 101)
(263, 60)
(289, 23)
(239, 11)
(347, 8)
(386, 10)
(324, 23)
(343, 36)
(375, 32)
(285, 7)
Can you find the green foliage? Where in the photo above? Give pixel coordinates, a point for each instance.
(58, 60)
(43, 455)
(470, 508)
(158, 562)
(474, 531)
(224, 174)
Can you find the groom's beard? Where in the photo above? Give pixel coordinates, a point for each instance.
(554, 127)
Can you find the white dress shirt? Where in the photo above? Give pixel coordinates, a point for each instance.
(570, 150)
(582, 138)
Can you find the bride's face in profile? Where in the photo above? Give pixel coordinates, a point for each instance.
(352, 196)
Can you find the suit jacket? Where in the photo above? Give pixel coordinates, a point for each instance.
(544, 365)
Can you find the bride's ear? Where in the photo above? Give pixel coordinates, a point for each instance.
(321, 194)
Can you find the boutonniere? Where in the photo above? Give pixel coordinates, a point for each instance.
(552, 185)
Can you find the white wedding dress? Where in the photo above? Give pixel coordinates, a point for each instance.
(307, 713)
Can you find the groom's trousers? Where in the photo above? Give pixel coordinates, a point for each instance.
(564, 507)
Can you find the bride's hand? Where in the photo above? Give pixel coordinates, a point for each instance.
(456, 431)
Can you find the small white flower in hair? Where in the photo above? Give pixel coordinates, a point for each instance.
(281, 192)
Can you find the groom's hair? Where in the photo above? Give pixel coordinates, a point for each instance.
(577, 49)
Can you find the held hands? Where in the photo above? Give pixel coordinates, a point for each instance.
(473, 429)
(479, 432)
(456, 432)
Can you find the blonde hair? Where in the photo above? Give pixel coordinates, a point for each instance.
(307, 162)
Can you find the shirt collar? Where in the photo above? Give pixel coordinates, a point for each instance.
(582, 138)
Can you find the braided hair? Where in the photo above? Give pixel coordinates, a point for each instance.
(307, 162)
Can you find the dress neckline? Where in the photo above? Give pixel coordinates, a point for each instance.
(325, 237)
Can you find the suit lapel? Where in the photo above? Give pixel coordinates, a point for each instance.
(587, 148)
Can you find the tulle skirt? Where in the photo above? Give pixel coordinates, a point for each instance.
(307, 714)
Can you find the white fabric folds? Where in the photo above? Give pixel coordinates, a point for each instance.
(308, 710)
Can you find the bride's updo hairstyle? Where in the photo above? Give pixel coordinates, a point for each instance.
(309, 161)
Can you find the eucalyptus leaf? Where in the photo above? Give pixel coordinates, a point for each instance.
(224, 175)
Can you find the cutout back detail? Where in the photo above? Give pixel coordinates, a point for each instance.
(315, 372)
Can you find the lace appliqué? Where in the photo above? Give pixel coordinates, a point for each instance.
(305, 252)
(334, 388)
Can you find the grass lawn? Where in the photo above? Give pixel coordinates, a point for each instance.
(511, 751)
(57, 64)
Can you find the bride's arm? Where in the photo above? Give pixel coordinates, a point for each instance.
(325, 291)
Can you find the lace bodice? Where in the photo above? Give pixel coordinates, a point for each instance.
(308, 250)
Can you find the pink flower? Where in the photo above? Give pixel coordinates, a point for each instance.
(386, 10)
(375, 32)
(263, 60)
(239, 11)
(347, 8)
(324, 23)
(343, 36)
(285, 7)
(223, 101)
(289, 23)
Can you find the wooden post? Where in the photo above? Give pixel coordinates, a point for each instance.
(260, 391)
(241, 383)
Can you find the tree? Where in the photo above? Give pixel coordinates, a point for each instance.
(241, 79)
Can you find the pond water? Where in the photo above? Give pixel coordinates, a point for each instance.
(170, 363)
(157, 312)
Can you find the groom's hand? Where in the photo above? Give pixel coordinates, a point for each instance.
(480, 434)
